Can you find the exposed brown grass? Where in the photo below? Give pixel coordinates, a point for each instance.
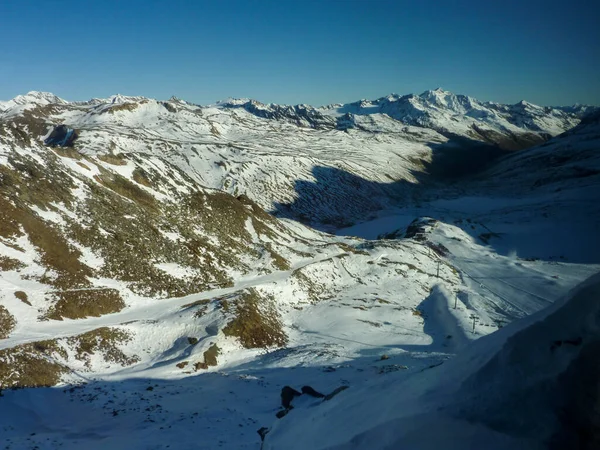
(30, 365)
(26, 181)
(7, 264)
(313, 290)
(142, 177)
(7, 322)
(104, 341)
(126, 188)
(210, 358)
(130, 248)
(77, 304)
(123, 107)
(369, 322)
(278, 261)
(256, 323)
(85, 166)
(57, 253)
(196, 303)
(67, 152)
(116, 160)
(21, 295)
(30, 183)
(350, 249)
(210, 355)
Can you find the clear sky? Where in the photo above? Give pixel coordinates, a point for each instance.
(288, 51)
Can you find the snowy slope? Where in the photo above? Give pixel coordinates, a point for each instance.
(141, 274)
(515, 388)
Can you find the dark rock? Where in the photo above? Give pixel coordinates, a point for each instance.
(334, 393)
(439, 249)
(310, 391)
(262, 432)
(287, 395)
(61, 136)
(282, 413)
(574, 342)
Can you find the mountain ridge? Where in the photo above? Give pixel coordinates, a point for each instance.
(510, 127)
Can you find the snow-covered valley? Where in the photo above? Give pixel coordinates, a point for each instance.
(144, 281)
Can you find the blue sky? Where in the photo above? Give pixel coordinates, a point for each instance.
(315, 52)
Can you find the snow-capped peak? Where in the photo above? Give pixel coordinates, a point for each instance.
(439, 97)
(34, 97)
(40, 97)
(176, 99)
(119, 99)
(231, 101)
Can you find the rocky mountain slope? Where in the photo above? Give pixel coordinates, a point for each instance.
(172, 240)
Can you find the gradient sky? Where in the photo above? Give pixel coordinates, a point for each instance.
(315, 52)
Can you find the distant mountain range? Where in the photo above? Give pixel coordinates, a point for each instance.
(269, 152)
(510, 126)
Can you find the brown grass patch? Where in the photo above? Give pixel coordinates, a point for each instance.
(256, 323)
(7, 322)
(278, 261)
(369, 322)
(104, 341)
(210, 358)
(23, 297)
(67, 152)
(142, 177)
(7, 264)
(348, 248)
(123, 107)
(126, 188)
(116, 160)
(32, 182)
(78, 304)
(57, 253)
(29, 366)
(85, 166)
(196, 303)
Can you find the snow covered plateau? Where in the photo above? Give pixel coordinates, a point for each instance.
(415, 272)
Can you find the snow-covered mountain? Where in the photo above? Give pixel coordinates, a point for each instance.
(173, 240)
(31, 99)
(509, 126)
(288, 158)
